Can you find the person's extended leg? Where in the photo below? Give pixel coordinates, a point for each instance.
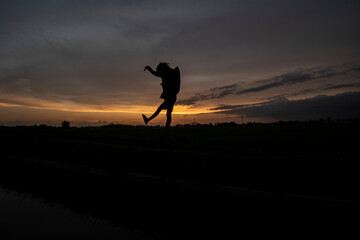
(146, 120)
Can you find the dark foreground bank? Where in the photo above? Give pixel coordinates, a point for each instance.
(204, 180)
(313, 158)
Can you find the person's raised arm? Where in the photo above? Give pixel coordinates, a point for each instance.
(152, 71)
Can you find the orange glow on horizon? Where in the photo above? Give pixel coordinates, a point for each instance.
(178, 109)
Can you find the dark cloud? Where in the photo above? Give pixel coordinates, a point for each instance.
(339, 86)
(225, 88)
(341, 106)
(293, 78)
(231, 107)
(194, 99)
(287, 79)
(277, 97)
(320, 89)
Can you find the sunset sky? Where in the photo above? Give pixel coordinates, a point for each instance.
(83, 61)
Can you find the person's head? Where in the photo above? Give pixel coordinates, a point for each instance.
(162, 67)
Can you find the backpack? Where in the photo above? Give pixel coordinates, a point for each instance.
(176, 81)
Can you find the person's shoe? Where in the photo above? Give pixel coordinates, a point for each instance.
(145, 119)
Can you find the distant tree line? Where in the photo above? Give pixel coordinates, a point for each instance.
(320, 121)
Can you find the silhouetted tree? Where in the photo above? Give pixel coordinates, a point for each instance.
(65, 124)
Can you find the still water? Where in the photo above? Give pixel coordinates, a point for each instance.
(23, 216)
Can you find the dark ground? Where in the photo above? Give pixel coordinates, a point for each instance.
(308, 159)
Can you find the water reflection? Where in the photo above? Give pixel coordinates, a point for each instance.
(23, 216)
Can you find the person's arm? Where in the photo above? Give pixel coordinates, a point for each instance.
(152, 71)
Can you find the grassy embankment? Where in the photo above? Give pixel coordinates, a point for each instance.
(318, 158)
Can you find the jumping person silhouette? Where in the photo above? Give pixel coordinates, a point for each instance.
(170, 82)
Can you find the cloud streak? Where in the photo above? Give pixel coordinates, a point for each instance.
(340, 106)
(353, 86)
(287, 79)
